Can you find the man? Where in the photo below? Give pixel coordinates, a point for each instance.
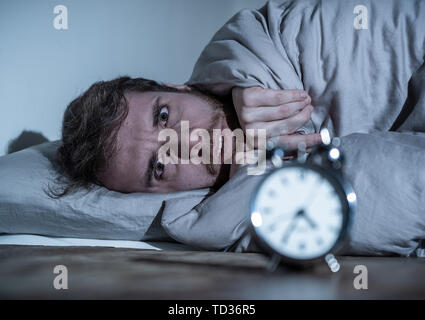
(111, 138)
(363, 67)
(111, 132)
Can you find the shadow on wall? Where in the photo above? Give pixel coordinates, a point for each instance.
(25, 140)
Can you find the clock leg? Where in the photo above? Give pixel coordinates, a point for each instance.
(332, 262)
(273, 263)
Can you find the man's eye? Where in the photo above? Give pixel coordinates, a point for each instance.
(163, 115)
(159, 169)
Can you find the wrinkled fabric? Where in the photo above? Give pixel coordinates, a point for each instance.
(25, 207)
(367, 86)
(357, 78)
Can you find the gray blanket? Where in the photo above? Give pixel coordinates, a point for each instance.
(364, 69)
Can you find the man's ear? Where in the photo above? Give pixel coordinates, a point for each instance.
(178, 87)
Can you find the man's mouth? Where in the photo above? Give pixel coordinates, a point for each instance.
(220, 153)
(217, 150)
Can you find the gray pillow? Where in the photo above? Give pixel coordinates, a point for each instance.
(386, 169)
(98, 214)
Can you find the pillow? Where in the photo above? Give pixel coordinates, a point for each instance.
(96, 214)
(386, 170)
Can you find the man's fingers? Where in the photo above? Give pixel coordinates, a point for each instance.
(278, 97)
(291, 141)
(257, 96)
(298, 120)
(285, 126)
(275, 113)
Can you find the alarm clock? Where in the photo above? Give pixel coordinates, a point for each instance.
(301, 210)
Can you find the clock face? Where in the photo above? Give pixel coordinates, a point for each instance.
(298, 212)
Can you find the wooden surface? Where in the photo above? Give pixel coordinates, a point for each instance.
(110, 273)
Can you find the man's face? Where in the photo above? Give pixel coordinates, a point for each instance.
(137, 166)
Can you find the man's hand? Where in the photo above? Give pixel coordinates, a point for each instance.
(280, 112)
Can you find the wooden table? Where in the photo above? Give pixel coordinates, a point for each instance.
(111, 273)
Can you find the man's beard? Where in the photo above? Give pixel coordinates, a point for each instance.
(222, 111)
(222, 103)
(216, 120)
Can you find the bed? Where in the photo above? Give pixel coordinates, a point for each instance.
(26, 272)
(379, 116)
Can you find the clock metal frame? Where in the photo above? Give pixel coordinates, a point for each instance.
(342, 188)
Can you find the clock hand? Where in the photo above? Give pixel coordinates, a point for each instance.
(291, 227)
(309, 220)
(289, 231)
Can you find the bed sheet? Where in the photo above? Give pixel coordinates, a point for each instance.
(37, 240)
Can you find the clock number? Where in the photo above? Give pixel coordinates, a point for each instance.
(332, 229)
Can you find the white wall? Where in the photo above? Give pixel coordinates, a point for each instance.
(42, 69)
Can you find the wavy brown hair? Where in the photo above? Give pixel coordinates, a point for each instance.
(89, 130)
